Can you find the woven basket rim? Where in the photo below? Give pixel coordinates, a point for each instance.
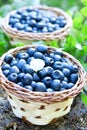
(16, 89)
(59, 34)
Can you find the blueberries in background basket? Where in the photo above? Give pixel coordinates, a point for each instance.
(57, 74)
(29, 19)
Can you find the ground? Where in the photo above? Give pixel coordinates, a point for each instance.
(76, 119)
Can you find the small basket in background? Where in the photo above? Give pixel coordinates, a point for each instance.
(26, 37)
(41, 108)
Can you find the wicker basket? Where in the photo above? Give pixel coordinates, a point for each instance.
(21, 36)
(40, 108)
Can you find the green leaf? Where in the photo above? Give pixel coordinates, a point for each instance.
(54, 43)
(84, 2)
(84, 11)
(84, 98)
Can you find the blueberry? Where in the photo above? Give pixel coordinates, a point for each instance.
(27, 69)
(28, 87)
(31, 51)
(27, 19)
(20, 84)
(19, 12)
(66, 72)
(19, 26)
(56, 85)
(36, 77)
(68, 66)
(39, 18)
(29, 59)
(63, 23)
(66, 79)
(50, 90)
(14, 69)
(18, 16)
(22, 55)
(5, 66)
(20, 75)
(8, 58)
(57, 57)
(52, 19)
(27, 79)
(46, 71)
(34, 30)
(12, 21)
(41, 24)
(70, 85)
(62, 89)
(13, 62)
(44, 30)
(60, 17)
(49, 25)
(29, 9)
(32, 23)
(33, 15)
(50, 29)
(24, 14)
(41, 48)
(12, 77)
(64, 85)
(47, 81)
(74, 69)
(38, 55)
(57, 65)
(58, 53)
(51, 55)
(20, 63)
(33, 84)
(6, 72)
(28, 29)
(48, 61)
(73, 78)
(57, 74)
(40, 87)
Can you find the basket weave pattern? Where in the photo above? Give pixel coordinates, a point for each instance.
(41, 107)
(21, 35)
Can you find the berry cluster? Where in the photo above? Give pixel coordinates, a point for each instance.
(57, 73)
(36, 21)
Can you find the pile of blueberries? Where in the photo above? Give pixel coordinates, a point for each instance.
(36, 21)
(58, 73)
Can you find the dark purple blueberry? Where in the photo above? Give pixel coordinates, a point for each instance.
(20, 63)
(51, 55)
(68, 66)
(28, 87)
(36, 77)
(27, 79)
(48, 61)
(41, 48)
(20, 84)
(31, 51)
(38, 55)
(56, 85)
(14, 69)
(73, 78)
(5, 66)
(8, 58)
(57, 65)
(12, 77)
(57, 74)
(74, 69)
(50, 90)
(39, 18)
(70, 85)
(40, 87)
(27, 69)
(22, 55)
(47, 81)
(52, 19)
(19, 12)
(64, 85)
(6, 72)
(66, 72)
